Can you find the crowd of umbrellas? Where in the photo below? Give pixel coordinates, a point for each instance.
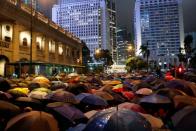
(97, 102)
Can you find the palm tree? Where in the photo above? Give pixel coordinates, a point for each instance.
(145, 52)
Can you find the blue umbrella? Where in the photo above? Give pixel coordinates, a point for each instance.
(91, 99)
(118, 120)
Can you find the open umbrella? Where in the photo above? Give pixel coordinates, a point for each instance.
(181, 101)
(67, 111)
(91, 99)
(4, 85)
(118, 88)
(33, 121)
(184, 120)
(5, 96)
(73, 75)
(41, 79)
(77, 88)
(106, 96)
(180, 85)
(170, 92)
(19, 92)
(128, 94)
(132, 106)
(62, 96)
(8, 110)
(79, 127)
(155, 99)
(117, 120)
(91, 113)
(155, 122)
(144, 91)
(28, 102)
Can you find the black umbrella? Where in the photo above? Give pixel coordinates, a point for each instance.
(184, 120)
(77, 88)
(180, 85)
(155, 99)
(170, 92)
(4, 85)
(117, 120)
(8, 110)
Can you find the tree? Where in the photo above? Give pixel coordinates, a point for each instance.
(135, 63)
(145, 52)
(105, 56)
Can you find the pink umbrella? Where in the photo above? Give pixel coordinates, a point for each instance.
(144, 91)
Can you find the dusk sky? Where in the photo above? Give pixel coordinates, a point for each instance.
(125, 14)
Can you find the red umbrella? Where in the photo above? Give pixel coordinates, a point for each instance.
(128, 94)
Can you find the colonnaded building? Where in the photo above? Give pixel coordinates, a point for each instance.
(53, 48)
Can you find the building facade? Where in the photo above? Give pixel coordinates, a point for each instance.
(160, 24)
(53, 48)
(89, 20)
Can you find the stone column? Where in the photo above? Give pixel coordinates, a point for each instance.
(34, 47)
(15, 42)
(46, 50)
(56, 52)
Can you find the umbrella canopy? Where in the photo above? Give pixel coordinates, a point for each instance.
(181, 101)
(91, 99)
(141, 85)
(170, 92)
(180, 85)
(67, 111)
(41, 79)
(118, 120)
(33, 121)
(111, 82)
(4, 85)
(5, 96)
(33, 86)
(79, 127)
(38, 95)
(19, 92)
(155, 122)
(128, 94)
(144, 91)
(8, 110)
(118, 88)
(184, 120)
(106, 96)
(91, 113)
(77, 88)
(132, 106)
(73, 75)
(62, 96)
(28, 102)
(155, 99)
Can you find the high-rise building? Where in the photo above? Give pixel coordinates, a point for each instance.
(111, 6)
(90, 20)
(121, 46)
(43, 6)
(160, 24)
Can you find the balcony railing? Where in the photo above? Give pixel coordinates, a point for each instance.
(4, 44)
(44, 19)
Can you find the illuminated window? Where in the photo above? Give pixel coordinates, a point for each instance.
(40, 43)
(60, 49)
(52, 46)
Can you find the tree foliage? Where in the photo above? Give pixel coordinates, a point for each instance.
(135, 63)
(105, 56)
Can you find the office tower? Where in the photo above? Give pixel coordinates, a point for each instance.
(160, 24)
(89, 20)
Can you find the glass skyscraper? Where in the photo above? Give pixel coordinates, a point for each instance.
(160, 24)
(87, 19)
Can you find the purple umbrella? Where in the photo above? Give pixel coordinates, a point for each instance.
(67, 111)
(91, 99)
